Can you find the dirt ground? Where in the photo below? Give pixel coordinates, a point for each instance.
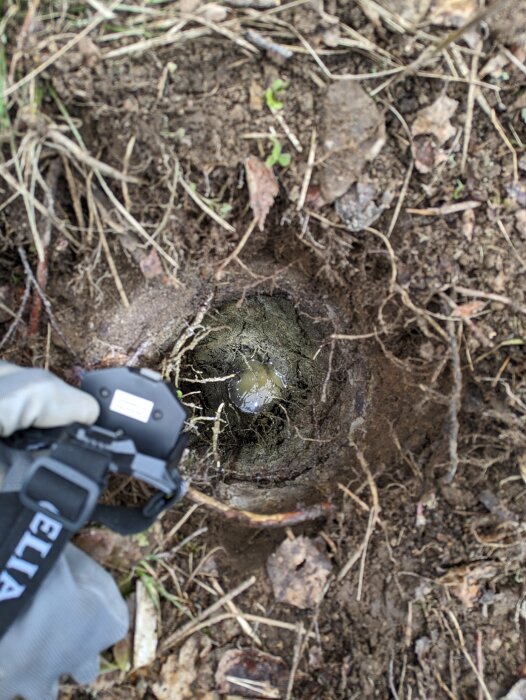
(377, 265)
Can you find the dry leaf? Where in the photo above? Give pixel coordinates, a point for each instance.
(110, 549)
(178, 673)
(465, 581)
(427, 154)
(298, 571)
(150, 265)
(468, 309)
(250, 673)
(520, 221)
(452, 13)
(435, 120)
(262, 188)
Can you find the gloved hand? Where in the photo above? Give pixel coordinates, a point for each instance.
(78, 610)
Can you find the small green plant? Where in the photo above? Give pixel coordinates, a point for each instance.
(459, 188)
(221, 208)
(273, 94)
(277, 156)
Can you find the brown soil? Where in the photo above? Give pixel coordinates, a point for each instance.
(440, 586)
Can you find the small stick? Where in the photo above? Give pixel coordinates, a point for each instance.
(215, 432)
(454, 403)
(261, 520)
(288, 131)
(237, 249)
(255, 4)
(323, 397)
(347, 491)
(191, 627)
(445, 209)
(268, 45)
(18, 317)
(45, 300)
(298, 649)
(65, 145)
(373, 518)
(45, 238)
(107, 251)
(308, 172)
(125, 166)
(240, 617)
(470, 105)
(480, 661)
(363, 336)
(482, 684)
(202, 205)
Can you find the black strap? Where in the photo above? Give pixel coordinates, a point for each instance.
(59, 497)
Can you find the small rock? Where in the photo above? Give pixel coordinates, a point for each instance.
(298, 571)
(268, 675)
(452, 13)
(520, 222)
(353, 133)
(435, 120)
(357, 208)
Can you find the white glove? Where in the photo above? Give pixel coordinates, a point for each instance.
(78, 610)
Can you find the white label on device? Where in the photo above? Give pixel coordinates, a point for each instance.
(131, 406)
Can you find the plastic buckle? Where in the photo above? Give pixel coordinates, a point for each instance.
(58, 497)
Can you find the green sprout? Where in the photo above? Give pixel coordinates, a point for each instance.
(276, 155)
(459, 188)
(221, 208)
(273, 93)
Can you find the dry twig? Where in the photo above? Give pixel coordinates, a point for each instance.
(250, 519)
(454, 404)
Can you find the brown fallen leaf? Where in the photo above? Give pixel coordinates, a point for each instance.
(452, 13)
(427, 154)
(110, 549)
(298, 571)
(469, 309)
(262, 188)
(466, 581)
(431, 129)
(178, 673)
(150, 265)
(250, 673)
(435, 120)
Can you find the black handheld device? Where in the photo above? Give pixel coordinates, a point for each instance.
(139, 432)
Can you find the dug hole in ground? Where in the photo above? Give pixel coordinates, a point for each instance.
(311, 218)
